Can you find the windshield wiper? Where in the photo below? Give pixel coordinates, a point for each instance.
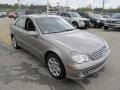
(62, 31)
(68, 30)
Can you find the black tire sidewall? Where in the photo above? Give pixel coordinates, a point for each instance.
(76, 24)
(63, 73)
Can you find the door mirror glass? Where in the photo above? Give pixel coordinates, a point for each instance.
(32, 33)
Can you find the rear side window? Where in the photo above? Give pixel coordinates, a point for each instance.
(21, 23)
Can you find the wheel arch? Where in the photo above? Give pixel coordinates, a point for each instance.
(49, 52)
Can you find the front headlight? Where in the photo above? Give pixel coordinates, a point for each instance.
(79, 58)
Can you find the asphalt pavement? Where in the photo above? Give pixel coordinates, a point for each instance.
(19, 70)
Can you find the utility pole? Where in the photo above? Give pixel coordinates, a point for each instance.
(67, 4)
(47, 7)
(60, 5)
(93, 5)
(103, 5)
(19, 4)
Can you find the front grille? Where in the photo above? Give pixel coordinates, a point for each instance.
(98, 54)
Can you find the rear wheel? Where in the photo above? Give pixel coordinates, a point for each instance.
(55, 66)
(14, 42)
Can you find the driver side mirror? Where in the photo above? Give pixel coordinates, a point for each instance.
(32, 33)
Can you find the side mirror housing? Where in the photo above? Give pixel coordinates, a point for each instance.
(32, 33)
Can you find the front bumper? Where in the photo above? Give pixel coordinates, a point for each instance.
(83, 70)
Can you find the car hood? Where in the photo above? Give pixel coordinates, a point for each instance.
(84, 19)
(79, 41)
(102, 19)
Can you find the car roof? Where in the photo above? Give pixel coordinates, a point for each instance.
(39, 16)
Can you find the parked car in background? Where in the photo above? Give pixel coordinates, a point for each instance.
(67, 51)
(3, 14)
(75, 19)
(12, 14)
(96, 20)
(113, 22)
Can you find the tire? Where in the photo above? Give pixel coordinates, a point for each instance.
(55, 66)
(75, 24)
(106, 28)
(14, 43)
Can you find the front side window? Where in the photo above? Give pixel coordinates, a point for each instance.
(74, 14)
(21, 23)
(68, 15)
(53, 25)
(29, 25)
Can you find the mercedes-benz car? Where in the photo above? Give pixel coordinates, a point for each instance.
(113, 22)
(66, 51)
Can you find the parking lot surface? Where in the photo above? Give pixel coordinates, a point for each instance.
(19, 70)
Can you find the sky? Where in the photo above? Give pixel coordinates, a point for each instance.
(72, 3)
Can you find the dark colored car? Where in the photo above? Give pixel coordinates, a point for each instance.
(113, 22)
(96, 20)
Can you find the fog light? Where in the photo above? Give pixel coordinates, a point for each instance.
(81, 75)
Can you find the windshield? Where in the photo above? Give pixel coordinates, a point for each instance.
(117, 16)
(53, 25)
(73, 14)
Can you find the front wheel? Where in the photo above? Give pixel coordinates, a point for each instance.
(75, 24)
(55, 66)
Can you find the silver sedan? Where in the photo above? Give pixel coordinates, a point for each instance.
(67, 51)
